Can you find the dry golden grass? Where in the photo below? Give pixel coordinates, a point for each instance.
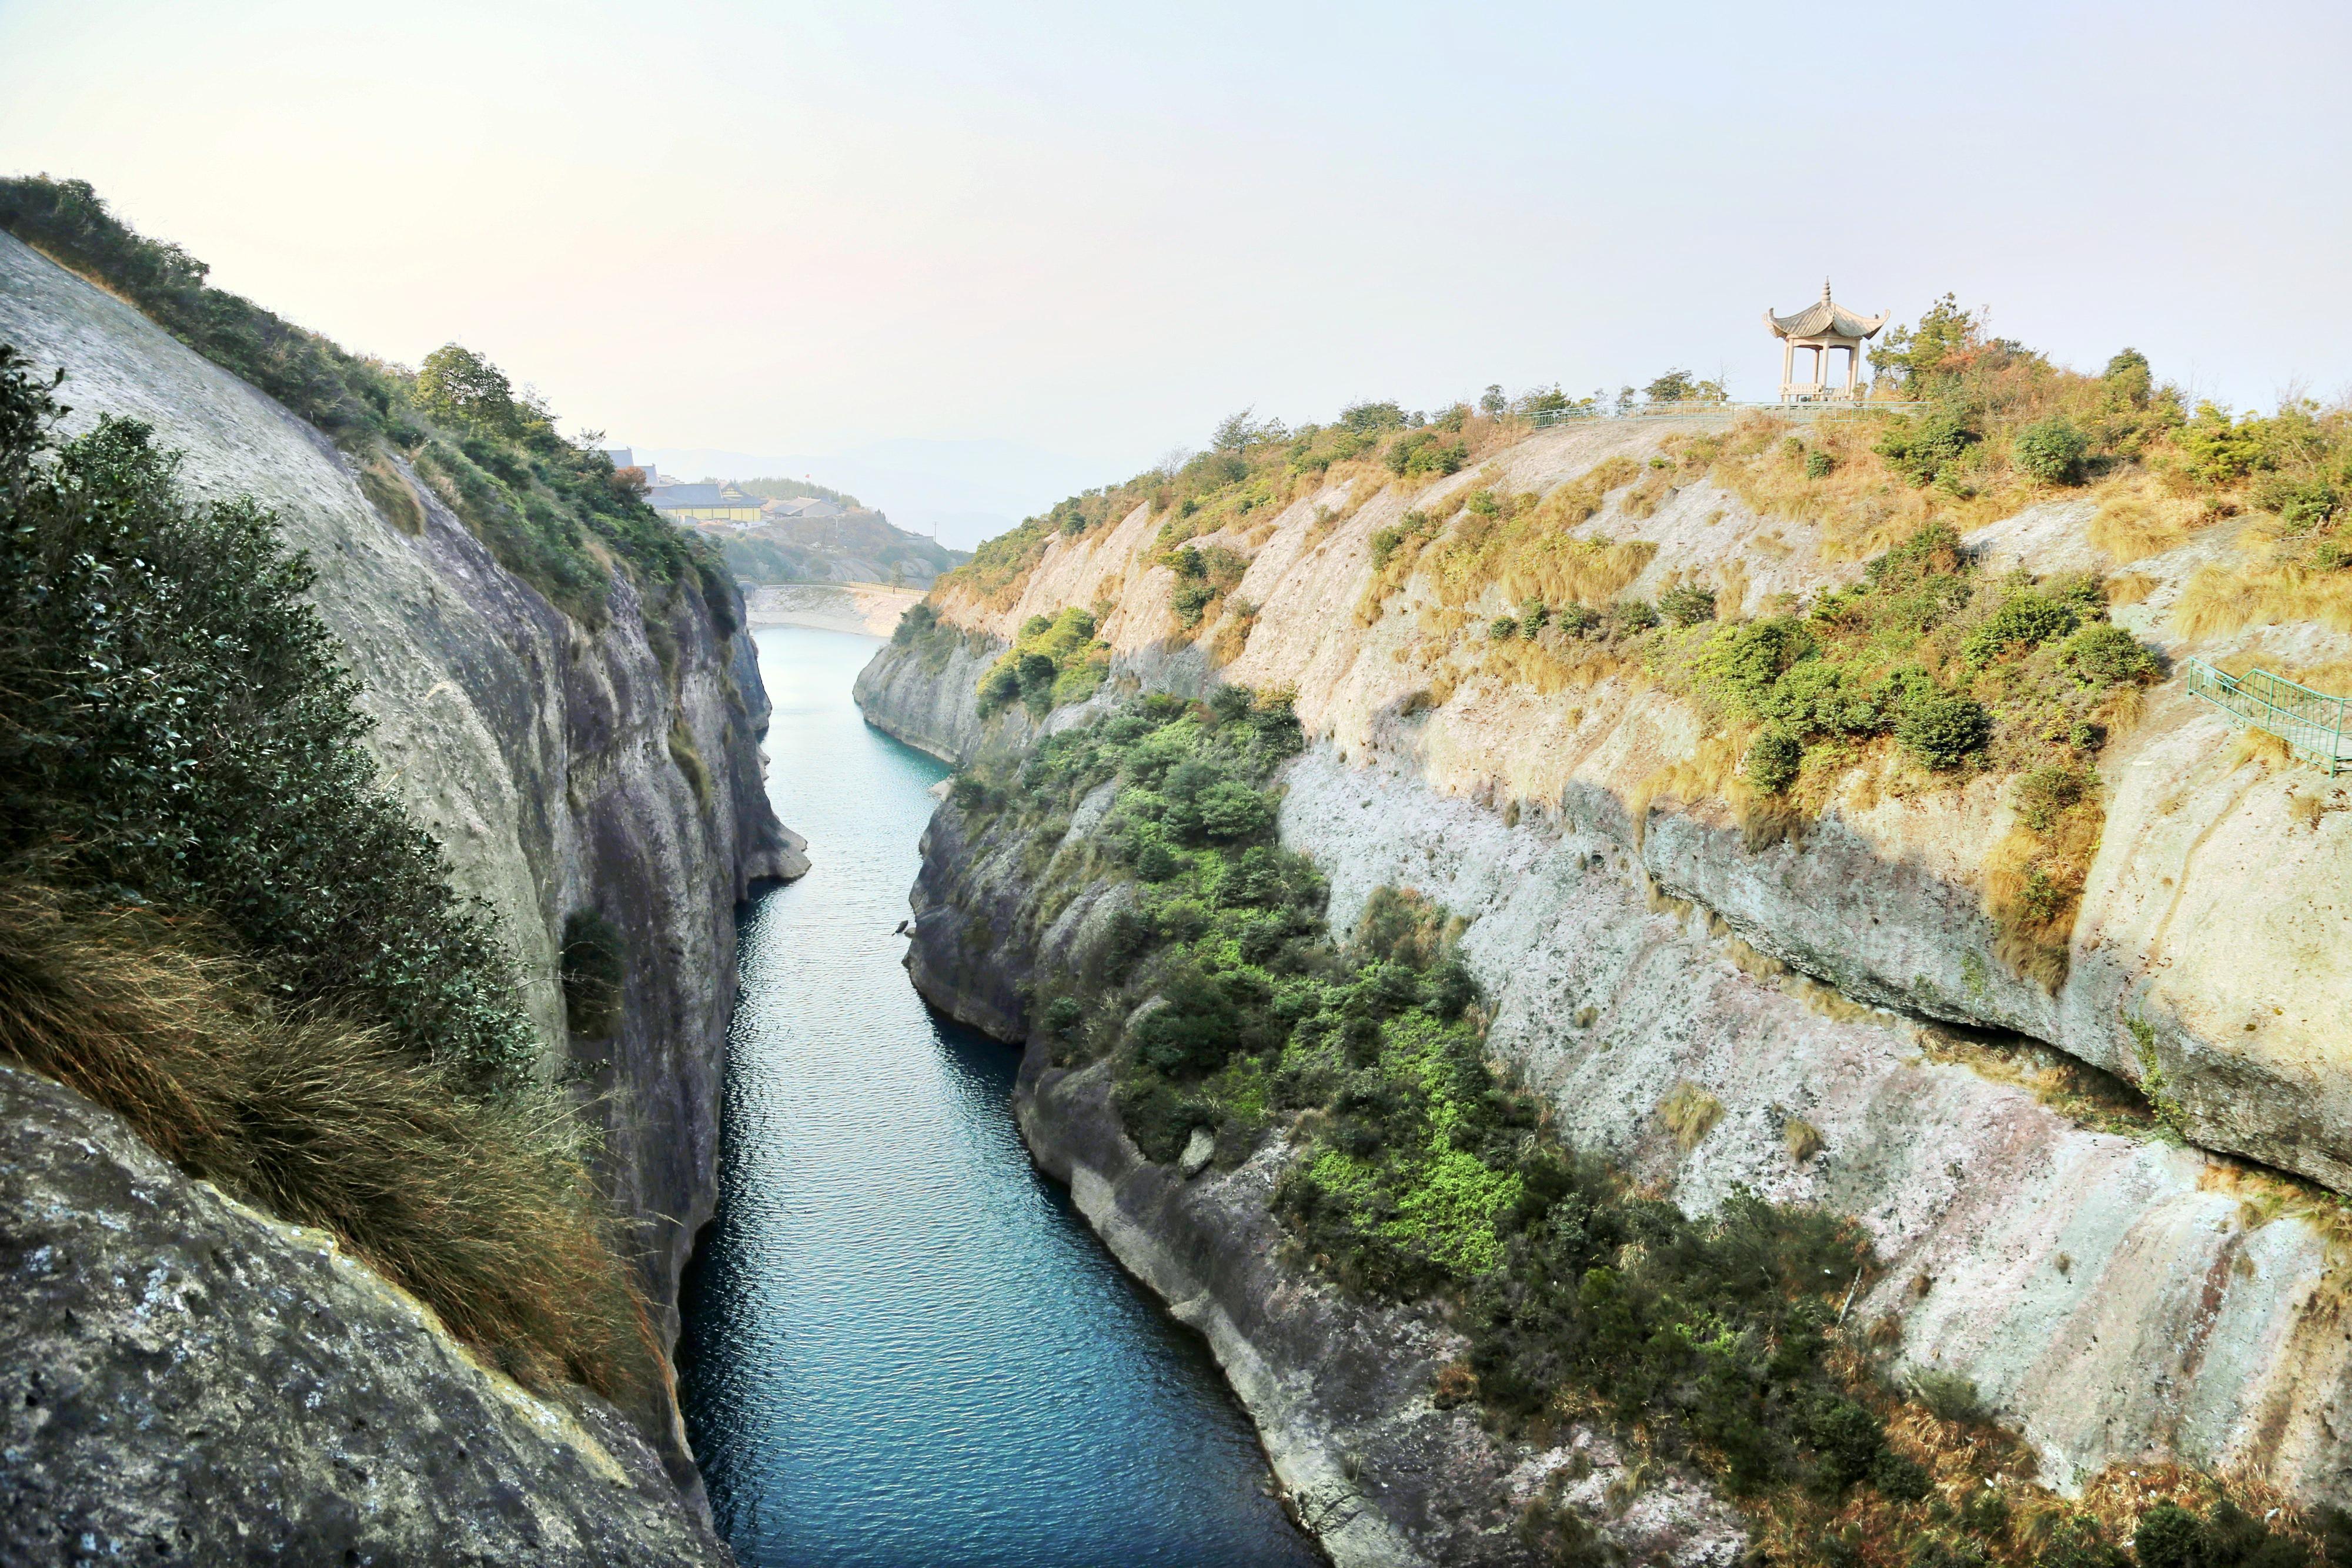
(2138, 517)
(2334, 677)
(481, 1211)
(384, 486)
(1232, 635)
(2260, 747)
(1730, 589)
(2034, 914)
(1690, 1113)
(1710, 773)
(1801, 1138)
(1862, 507)
(1549, 666)
(2129, 588)
(2222, 599)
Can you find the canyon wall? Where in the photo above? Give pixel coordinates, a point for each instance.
(567, 769)
(2163, 1282)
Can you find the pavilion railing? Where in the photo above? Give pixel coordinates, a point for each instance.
(1825, 408)
(2310, 722)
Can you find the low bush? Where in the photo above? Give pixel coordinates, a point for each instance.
(1944, 731)
(2051, 450)
(1686, 604)
(1054, 660)
(1773, 758)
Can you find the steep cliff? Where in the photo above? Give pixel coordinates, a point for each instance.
(571, 768)
(2117, 1284)
(1381, 1472)
(192, 1382)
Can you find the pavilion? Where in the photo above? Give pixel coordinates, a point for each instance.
(1822, 327)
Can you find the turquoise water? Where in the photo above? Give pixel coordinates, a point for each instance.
(904, 1348)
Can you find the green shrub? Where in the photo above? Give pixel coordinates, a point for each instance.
(1063, 1014)
(1929, 448)
(1054, 660)
(1942, 731)
(1745, 663)
(2170, 1536)
(1686, 604)
(1949, 1395)
(2051, 450)
(1502, 628)
(2107, 655)
(1818, 465)
(180, 729)
(1628, 616)
(1533, 618)
(2025, 619)
(1577, 620)
(1772, 761)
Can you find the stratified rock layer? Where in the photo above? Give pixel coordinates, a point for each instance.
(186, 1380)
(2120, 1295)
(1340, 1389)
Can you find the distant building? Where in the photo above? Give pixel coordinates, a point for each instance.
(704, 504)
(624, 458)
(1824, 328)
(804, 507)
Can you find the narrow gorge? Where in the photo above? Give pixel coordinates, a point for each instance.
(1536, 985)
(2060, 1045)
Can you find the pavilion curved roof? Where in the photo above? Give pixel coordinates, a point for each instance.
(1825, 318)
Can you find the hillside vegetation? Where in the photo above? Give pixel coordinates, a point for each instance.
(217, 924)
(552, 510)
(858, 547)
(1415, 1172)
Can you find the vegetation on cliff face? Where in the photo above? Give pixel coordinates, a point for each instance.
(1418, 1172)
(1253, 470)
(553, 511)
(217, 925)
(1054, 660)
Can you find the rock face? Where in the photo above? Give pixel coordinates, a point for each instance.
(1340, 1389)
(190, 1382)
(566, 769)
(2122, 1290)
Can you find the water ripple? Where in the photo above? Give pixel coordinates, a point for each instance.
(904, 1348)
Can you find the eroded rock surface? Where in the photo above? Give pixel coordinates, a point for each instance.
(1342, 1389)
(183, 1380)
(2120, 1288)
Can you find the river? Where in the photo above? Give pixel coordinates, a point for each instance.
(904, 1348)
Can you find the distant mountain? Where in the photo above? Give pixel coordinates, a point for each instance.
(959, 492)
(860, 545)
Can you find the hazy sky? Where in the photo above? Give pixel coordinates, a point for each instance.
(1093, 229)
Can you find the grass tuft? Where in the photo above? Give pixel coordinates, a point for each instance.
(480, 1208)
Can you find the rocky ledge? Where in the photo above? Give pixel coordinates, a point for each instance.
(189, 1381)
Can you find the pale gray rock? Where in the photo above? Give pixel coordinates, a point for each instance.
(184, 1380)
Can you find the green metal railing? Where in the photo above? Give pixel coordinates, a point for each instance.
(2310, 722)
(1827, 408)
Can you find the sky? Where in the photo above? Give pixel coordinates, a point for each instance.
(1053, 242)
